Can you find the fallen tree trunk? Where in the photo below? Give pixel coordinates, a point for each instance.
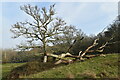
(64, 61)
(63, 58)
(82, 54)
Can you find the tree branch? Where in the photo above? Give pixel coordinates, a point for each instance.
(87, 50)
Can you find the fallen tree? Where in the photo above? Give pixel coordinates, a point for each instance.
(62, 58)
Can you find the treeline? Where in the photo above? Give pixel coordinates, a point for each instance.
(12, 56)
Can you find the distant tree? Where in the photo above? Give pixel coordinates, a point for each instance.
(7, 54)
(66, 40)
(44, 26)
(112, 35)
(81, 45)
(114, 31)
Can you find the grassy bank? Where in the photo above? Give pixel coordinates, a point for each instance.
(98, 67)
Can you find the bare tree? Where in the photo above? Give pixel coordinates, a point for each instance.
(44, 25)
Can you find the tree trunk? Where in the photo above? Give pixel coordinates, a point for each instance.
(45, 54)
(45, 59)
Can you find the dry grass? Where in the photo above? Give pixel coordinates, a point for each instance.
(87, 74)
(69, 75)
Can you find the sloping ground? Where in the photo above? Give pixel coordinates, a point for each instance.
(7, 67)
(98, 67)
(30, 68)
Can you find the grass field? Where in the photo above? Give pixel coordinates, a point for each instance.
(98, 67)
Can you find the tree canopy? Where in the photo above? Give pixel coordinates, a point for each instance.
(44, 26)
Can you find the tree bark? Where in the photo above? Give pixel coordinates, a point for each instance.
(45, 59)
(45, 54)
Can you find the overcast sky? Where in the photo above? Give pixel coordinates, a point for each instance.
(90, 17)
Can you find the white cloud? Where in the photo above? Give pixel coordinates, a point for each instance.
(90, 17)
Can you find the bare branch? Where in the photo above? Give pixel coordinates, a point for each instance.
(87, 50)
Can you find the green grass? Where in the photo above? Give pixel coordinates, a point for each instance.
(6, 68)
(97, 67)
